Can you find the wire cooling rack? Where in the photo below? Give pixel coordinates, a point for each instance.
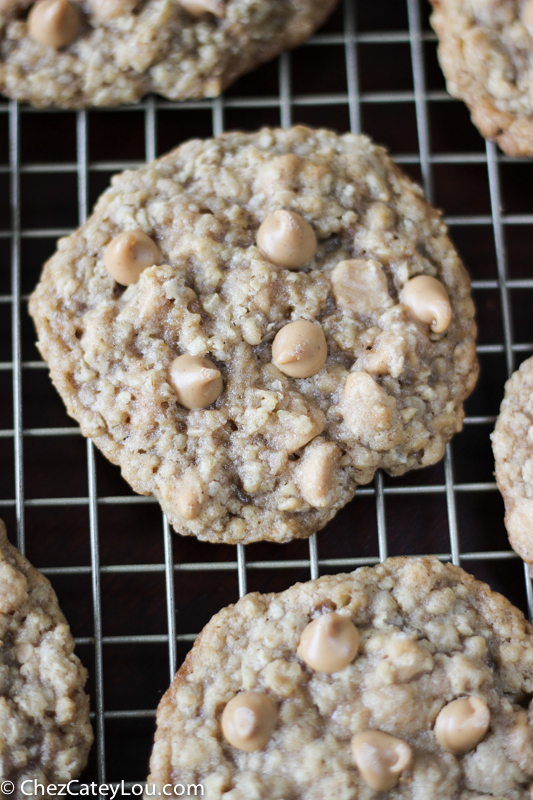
(136, 595)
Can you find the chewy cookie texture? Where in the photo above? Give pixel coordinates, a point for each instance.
(486, 54)
(78, 53)
(512, 444)
(410, 678)
(45, 733)
(253, 324)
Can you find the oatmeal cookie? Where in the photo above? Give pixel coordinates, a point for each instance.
(432, 703)
(512, 444)
(486, 54)
(45, 733)
(79, 53)
(296, 317)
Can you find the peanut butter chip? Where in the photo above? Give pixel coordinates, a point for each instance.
(54, 23)
(380, 758)
(287, 239)
(111, 9)
(196, 381)
(329, 643)
(427, 300)
(189, 494)
(248, 720)
(299, 349)
(197, 8)
(129, 254)
(462, 724)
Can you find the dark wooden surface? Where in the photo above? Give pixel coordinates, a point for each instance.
(135, 676)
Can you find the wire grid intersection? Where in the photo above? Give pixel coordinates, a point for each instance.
(289, 104)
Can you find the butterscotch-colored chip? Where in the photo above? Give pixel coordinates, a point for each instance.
(129, 254)
(462, 724)
(196, 381)
(381, 758)
(329, 643)
(300, 349)
(54, 23)
(190, 494)
(428, 301)
(248, 721)
(287, 239)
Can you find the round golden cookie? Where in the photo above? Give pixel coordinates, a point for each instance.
(486, 54)
(512, 445)
(430, 636)
(45, 733)
(315, 375)
(74, 54)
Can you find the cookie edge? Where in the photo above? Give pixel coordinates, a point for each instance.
(513, 134)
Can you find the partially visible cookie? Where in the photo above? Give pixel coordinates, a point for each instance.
(411, 678)
(45, 733)
(306, 320)
(512, 444)
(79, 53)
(486, 54)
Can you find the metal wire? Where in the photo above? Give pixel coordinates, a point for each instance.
(83, 176)
(16, 366)
(286, 102)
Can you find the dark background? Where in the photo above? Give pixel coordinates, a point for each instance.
(361, 69)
